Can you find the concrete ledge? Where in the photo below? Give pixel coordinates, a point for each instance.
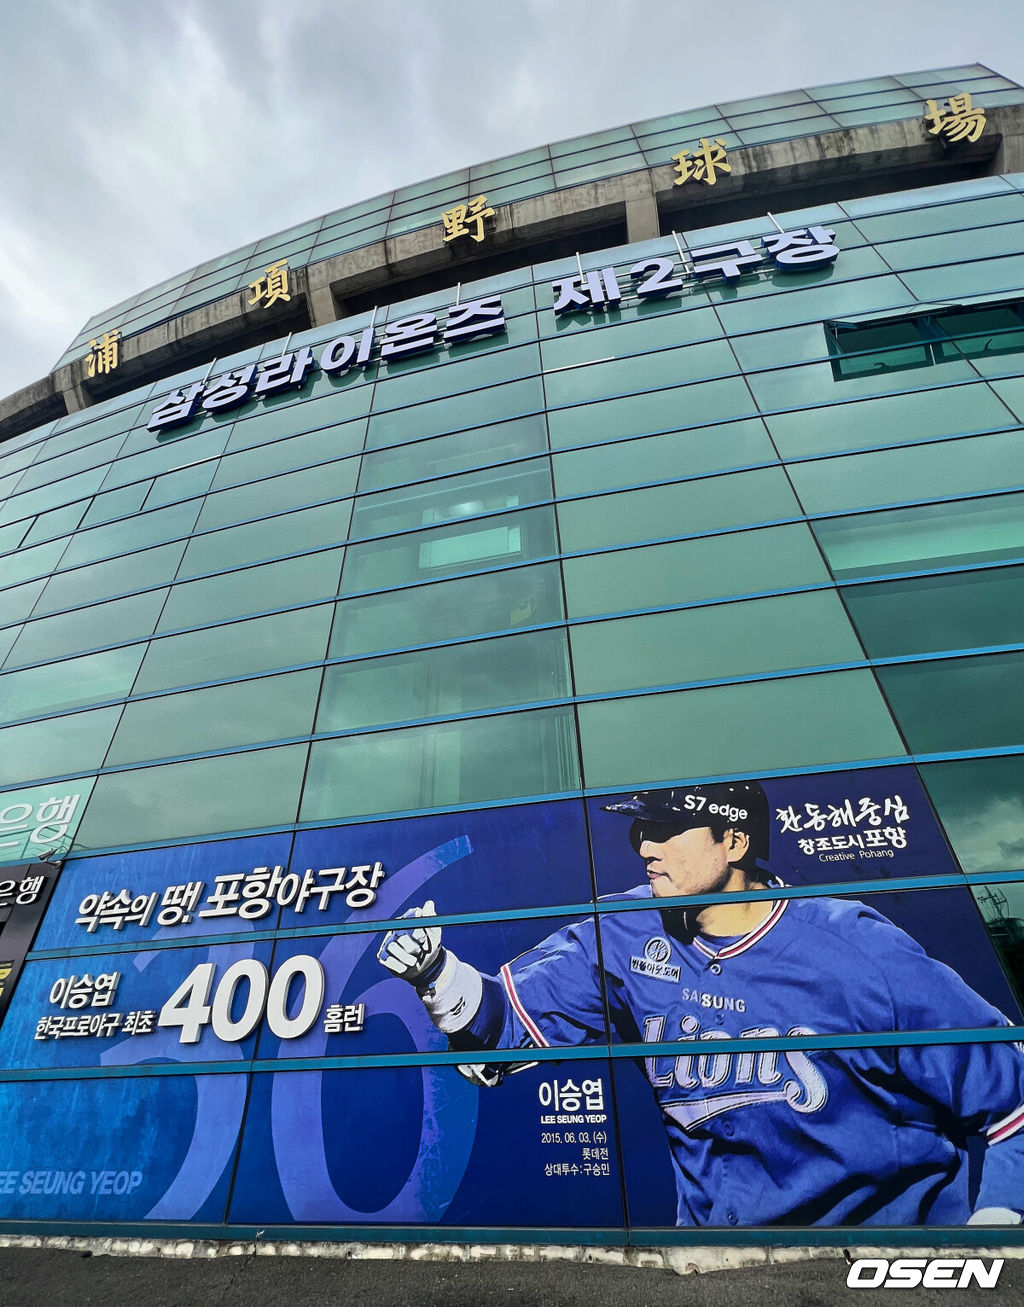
(686, 1260)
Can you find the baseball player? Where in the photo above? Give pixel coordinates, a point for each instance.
(818, 1137)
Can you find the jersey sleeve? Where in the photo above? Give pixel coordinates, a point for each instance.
(978, 1086)
(549, 996)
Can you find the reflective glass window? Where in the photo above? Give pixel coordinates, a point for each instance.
(574, 385)
(919, 415)
(516, 669)
(288, 533)
(502, 442)
(981, 804)
(960, 611)
(683, 508)
(237, 649)
(662, 410)
(47, 526)
(928, 535)
(283, 456)
(452, 498)
(88, 628)
(674, 454)
(507, 756)
(409, 381)
(478, 408)
(472, 605)
(313, 485)
(257, 590)
(663, 325)
(72, 683)
(74, 744)
(219, 717)
(241, 791)
(444, 551)
(742, 729)
(17, 602)
(40, 560)
(690, 571)
(960, 703)
(132, 533)
(723, 640)
(951, 467)
(117, 576)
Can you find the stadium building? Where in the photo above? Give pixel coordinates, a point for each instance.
(478, 551)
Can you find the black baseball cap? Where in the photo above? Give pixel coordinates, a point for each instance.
(660, 814)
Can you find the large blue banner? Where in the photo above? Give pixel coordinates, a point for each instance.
(300, 980)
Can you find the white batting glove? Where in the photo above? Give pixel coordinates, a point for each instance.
(414, 954)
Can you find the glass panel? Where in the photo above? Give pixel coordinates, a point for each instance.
(504, 757)
(952, 467)
(736, 730)
(664, 324)
(693, 570)
(473, 605)
(417, 380)
(675, 454)
(133, 533)
(282, 456)
(313, 485)
(154, 459)
(452, 498)
(257, 590)
(221, 717)
(113, 504)
(73, 683)
(800, 630)
(473, 410)
(459, 452)
(664, 410)
(930, 613)
(51, 471)
(961, 280)
(242, 791)
(17, 602)
(88, 628)
(640, 372)
(238, 649)
(953, 247)
(27, 563)
(517, 669)
(86, 585)
(444, 551)
(927, 219)
(333, 410)
(289, 533)
(684, 508)
(965, 703)
(919, 415)
(69, 745)
(932, 535)
(981, 804)
(57, 522)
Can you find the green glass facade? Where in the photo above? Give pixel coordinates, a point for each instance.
(764, 528)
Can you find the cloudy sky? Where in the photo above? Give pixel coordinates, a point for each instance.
(141, 139)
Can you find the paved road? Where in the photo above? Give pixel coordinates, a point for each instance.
(36, 1277)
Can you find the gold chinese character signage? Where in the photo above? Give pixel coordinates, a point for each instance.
(104, 354)
(702, 165)
(960, 121)
(466, 220)
(271, 286)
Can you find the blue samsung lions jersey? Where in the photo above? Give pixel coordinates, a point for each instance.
(853, 1136)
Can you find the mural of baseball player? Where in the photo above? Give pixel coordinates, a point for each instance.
(797, 1137)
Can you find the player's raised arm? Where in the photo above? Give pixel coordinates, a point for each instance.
(452, 991)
